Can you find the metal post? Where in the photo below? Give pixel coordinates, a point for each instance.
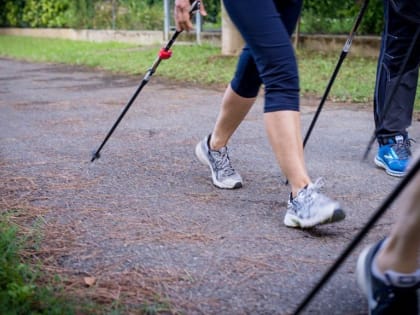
(167, 19)
(198, 28)
(114, 12)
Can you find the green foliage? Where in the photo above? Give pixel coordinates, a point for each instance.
(81, 14)
(328, 16)
(34, 13)
(19, 293)
(20, 289)
(45, 13)
(373, 20)
(337, 17)
(213, 8)
(11, 12)
(140, 15)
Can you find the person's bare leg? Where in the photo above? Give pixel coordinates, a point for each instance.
(212, 151)
(233, 110)
(283, 128)
(284, 132)
(401, 251)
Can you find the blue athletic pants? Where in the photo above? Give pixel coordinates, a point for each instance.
(397, 36)
(268, 57)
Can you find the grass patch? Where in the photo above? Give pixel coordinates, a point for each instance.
(19, 291)
(25, 289)
(197, 64)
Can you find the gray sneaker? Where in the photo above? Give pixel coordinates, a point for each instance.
(222, 172)
(310, 208)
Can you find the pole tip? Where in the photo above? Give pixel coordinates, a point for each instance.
(95, 155)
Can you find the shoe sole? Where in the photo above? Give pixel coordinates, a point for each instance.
(204, 160)
(296, 222)
(363, 274)
(382, 164)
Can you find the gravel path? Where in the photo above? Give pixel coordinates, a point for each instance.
(145, 221)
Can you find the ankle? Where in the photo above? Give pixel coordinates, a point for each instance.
(392, 257)
(297, 188)
(396, 277)
(215, 144)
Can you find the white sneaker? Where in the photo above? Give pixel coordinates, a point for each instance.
(222, 172)
(310, 208)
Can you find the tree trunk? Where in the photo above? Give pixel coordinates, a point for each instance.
(232, 41)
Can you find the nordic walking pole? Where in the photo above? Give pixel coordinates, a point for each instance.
(388, 201)
(343, 55)
(392, 93)
(164, 53)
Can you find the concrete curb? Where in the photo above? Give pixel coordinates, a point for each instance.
(367, 46)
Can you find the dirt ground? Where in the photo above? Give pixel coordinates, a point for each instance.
(145, 222)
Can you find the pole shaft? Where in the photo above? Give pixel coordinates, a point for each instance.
(324, 97)
(195, 6)
(343, 55)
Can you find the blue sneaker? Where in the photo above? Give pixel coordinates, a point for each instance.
(394, 156)
(396, 295)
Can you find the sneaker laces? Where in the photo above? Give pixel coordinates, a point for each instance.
(308, 195)
(313, 190)
(402, 148)
(222, 161)
(318, 184)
